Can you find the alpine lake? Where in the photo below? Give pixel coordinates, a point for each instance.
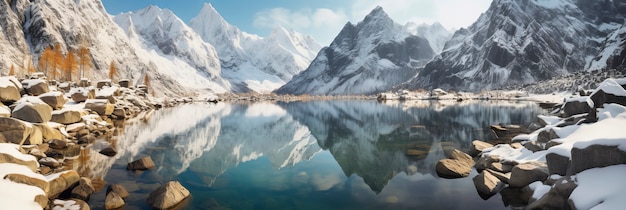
(341, 154)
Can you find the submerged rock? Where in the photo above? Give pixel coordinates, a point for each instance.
(168, 195)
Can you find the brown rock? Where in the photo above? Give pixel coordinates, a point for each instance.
(58, 144)
(478, 146)
(35, 137)
(516, 145)
(120, 113)
(113, 201)
(504, 177)
(457, 165)
(83, 190)
(487, 184)
(109, 151)
(32, 112)
(54, 100)
(144, 163)
(526, 173)
(119, 189)
(100, 106)
(31, 164)
(13, 130)
(9, 94)
(125, 83)
(64, 181)
(168, 195)
(501, 167)
(42, 200)
(485, 162)
(81, 96)
(50, 162)
(36, 87)
(557, 164)
(66, 116)
(47, 132)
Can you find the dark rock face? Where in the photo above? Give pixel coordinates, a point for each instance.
(595, 156)
(557, 164)
(366, 58)
(520, 42)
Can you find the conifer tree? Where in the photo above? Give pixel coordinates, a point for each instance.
(112, 70)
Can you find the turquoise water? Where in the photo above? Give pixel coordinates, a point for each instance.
(306, 155)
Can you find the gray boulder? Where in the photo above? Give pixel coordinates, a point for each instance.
(100, 106)
(53, 99)
(13, 130)
(557, 164)
(66, 117)
(526, 173)
(595, 156)
(574, 107)
(36, 87)
(557, 197)
(32, 109)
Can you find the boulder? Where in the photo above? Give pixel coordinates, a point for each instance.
(120, 113)
(79, 95)
(526, 173)
(10, 153)
(47, 132)
(125, 83)
(66, 117)
(457, 165)
(504, 177)
(53, 99)
(28, 180)
(84, 82)
(109, 151)
(576, 106)
(501, 167)
(113, 201)
(557, 164)
(144, 163)
(42, 200)
(546, 135)
(50, 162)
(100, 106)
(485, 162)
(487, 184)
(32, 109)
(168, 195)
(36, 87)
(600, 98)
(14, 130)
(533, 147)
(9, 92)
(58, 144)
(83, 190)
(119, 189)
(62, 182)
(103, 83)
(595, 156)
(557, 197)
(478, 146)
(35, 137)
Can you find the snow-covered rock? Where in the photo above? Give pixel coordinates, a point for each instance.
(9, 91)
(251, 62)
(367, 58)
(32, 109)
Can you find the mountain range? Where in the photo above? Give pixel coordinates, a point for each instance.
(513, 42)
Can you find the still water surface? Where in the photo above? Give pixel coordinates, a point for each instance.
(305, 155)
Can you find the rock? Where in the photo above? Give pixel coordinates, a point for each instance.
(35, 87)
(35, 137)
(552, 144)
(50, 162)
(47, 132)
(109, 151)
(498, 130)
(575, 106)
(125, 83)
(5, 111)
(74, 204)
(526, 173)
(13, 130)
(86, 139)
(9, 93)
(516, 145)
(478, 146)
(119, 113)
(100, 106)
(487, 184)
(504, 177)
(80, 95)
(557, 197)
(144, 163)
(25, 160)
(37, 153)
(546, 135)
(27, 180)
(600, 98)
(32, 109)
(54, 99)
(595, 156)
(42, 200)
(84, 82)
(103, 83)
(515, 198)
(62, 182)
(501, 167)
(168, 195)
(533, 147)
(119, 189)
(457, 165)
(485, 162)
(58, 144)
(83, 190)
(66, 117)
(557, 164)
(113, 201)
(72, 150)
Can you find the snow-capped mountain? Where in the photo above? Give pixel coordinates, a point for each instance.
(519, 42)
(73, 24)
(613, 54)
(435, 33)
(164, 39)
(250, 62)
(366, 58)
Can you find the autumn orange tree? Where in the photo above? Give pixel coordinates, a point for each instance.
(12, 70)
(57, 60)
(84, 60)
(45, 61)
(70, 65)
(31, 67)
(112, 70)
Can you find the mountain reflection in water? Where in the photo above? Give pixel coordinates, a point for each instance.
(306, 155)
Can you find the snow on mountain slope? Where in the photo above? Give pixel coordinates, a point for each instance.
(13, 45)
(73, 24)
(164, 39)
(517, 42)
(435, 33)
(613, 54)
(250, 62)
(366, 58)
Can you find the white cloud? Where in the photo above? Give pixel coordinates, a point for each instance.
(322, 23)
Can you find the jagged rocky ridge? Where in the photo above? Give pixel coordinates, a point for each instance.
(369, 57)
(523, 41)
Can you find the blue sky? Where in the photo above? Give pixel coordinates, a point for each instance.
(322, 19)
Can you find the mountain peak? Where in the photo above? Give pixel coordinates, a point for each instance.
(377, 13)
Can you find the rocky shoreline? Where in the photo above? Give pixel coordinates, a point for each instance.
(566, 160)
(47, 127)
